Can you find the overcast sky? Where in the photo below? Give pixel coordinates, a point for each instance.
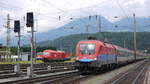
(47, 11)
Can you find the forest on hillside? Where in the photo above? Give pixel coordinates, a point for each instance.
(68, 43)
(123, 39)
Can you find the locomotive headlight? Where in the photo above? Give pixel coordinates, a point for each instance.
(95, 58)
(77, 58)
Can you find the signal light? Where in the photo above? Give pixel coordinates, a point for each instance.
(16, 26)
(30, 19)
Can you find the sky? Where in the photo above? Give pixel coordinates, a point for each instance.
(47, 12)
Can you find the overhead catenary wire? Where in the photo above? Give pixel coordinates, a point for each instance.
(62, 9)
(42, 15)
(124, 12)
(66, 1)
(54, 6)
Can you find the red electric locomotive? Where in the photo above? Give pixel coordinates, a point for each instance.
(39, 56)
(94, 54)
(52, 55)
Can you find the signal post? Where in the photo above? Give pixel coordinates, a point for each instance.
(30, 23)
(17, 30)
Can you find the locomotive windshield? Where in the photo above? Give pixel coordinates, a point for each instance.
(45, 53)
(87, 49)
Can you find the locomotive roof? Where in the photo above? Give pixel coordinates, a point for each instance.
(107, 45)
(50, 50)
(54, 51)
(97, 41)
(89, 41)
(60, 51)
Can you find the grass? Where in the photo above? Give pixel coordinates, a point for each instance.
(71, 60)
(27, 62)
(22, 62)
(148, 57)
(37, 61)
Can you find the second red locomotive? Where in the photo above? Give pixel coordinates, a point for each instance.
(52, 55)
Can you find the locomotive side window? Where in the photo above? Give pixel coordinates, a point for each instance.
(87, 49)
(45, 53)
(40, 53)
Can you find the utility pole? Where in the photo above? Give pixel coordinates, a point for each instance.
(8, 38)
(87, 26)
(99, 25)
(124, 43)
(135, 48)
(98, 18)
(87, 30)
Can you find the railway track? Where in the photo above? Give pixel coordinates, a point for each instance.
(24, 66)
(9, 68)
(36, 71)
(137, 80)
(135, 75)
(23, 70)
(139, 75)
(43, 79)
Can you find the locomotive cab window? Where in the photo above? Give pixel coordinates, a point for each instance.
(87, 49)
(40, 53)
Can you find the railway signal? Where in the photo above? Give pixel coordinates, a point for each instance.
(17, 30)
(30, 23)
(30, 19)
(16, 26)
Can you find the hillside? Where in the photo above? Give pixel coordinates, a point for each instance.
(68, 43)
